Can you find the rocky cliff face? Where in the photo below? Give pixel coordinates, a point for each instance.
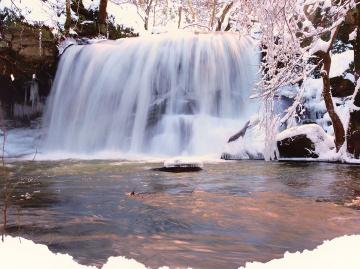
(28, 56)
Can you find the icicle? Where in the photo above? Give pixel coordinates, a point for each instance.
(40, 36)
(34, 94)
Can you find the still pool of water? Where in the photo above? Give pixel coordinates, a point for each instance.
(226, 215)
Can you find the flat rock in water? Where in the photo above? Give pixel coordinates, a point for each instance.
(180, 165)
(179, 169)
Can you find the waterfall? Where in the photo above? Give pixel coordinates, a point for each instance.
(164, 95)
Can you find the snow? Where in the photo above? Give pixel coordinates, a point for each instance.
(340, 62)
(18, 253)
(52, 12)
(183, 162)
(255, 31)
(39, 11)
(321, 45)
(341, 252)
(352, 35)
(22, 253)
(249, 146)
(126, 14)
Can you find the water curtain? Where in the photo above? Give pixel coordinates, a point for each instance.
(164, 95)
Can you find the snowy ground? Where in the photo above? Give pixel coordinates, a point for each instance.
(341, 252)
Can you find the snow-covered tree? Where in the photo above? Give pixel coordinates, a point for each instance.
(297, 37)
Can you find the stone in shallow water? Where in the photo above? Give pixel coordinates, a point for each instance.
(181, 165)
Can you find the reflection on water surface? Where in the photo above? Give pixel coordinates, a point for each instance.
(223, 216)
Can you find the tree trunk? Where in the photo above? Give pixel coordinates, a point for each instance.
(68, 17)
(147, 14)
(213, 14)
(102, 16)
(180, 13)
(353, 132)
(339, 130)
(223, 15)
(192, 11)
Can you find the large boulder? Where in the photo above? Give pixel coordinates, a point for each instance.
(306, 141)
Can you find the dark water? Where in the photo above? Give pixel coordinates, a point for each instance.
(228, 214)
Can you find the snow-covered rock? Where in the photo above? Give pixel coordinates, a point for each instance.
(247, 144)
(181, 164)
(306, 141)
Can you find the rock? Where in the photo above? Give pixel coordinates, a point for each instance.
(298, 146)
(247, 144)
(181, 165)
(4, 46)
(341, 87)
(7, 36)
(306, 141)
(29, 52)
(178, 169)
(241, 133)
(353, 133)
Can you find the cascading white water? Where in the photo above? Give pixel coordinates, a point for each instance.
(164, 95)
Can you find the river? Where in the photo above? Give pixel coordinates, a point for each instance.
(221, 217)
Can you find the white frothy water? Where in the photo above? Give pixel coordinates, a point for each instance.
(165, 95)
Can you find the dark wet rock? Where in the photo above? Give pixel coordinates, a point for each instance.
(178, 169)
(241, 133)
(299, 146)
(341, 87)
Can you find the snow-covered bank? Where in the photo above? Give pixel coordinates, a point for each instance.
(18, 253)
(341, 252)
